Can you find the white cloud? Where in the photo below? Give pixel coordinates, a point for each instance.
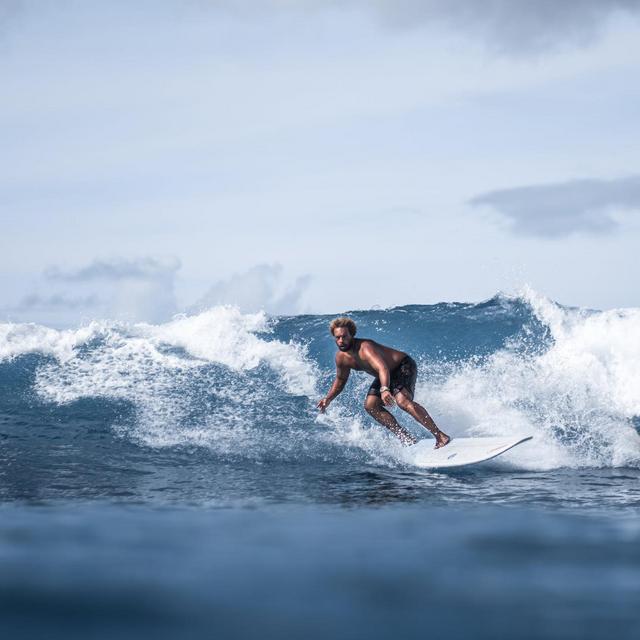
(140, 289)
(117, 269)
(262, 287)
(37, 302)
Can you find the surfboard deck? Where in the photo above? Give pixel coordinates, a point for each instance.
(460, 451)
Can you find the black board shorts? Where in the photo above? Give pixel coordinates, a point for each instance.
(402, 377)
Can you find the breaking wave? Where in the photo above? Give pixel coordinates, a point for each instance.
(245, 385)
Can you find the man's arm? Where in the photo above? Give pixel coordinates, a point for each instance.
(342, 375)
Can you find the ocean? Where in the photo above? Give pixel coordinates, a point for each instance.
(177, 480)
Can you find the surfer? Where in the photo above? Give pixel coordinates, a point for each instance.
(394, 381)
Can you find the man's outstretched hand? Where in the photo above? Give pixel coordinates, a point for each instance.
(323, 404)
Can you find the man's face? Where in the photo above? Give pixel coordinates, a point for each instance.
(343, 338)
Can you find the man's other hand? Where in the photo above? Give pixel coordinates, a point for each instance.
(323, 404)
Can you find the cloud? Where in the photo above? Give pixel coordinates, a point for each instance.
(56, 301)
(143, 290)
(517, 27)
(136, 290)
(117, 269)
(260, 288)
(510, 26)
(556, 210)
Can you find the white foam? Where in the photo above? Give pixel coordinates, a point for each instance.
(577, 398)
(20, 339)
(154, 366)
(226, 336)
(348, 430)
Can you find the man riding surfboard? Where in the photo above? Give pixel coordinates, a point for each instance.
(394, 382)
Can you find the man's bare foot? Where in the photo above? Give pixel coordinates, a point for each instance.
(442, 439)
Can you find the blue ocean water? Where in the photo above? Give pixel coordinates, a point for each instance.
(176, 480)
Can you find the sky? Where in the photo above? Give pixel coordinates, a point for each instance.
(160, 157)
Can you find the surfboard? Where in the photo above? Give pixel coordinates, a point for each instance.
(460, 451)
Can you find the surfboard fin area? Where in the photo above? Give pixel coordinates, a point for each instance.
(460, 451)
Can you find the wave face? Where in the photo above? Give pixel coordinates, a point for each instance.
(241, 389)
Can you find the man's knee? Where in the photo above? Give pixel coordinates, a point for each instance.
(404, 402)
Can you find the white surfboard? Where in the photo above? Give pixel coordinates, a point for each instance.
(460, 451)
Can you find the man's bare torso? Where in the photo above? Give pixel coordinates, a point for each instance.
(359, 357)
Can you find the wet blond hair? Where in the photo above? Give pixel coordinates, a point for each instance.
(343, 322)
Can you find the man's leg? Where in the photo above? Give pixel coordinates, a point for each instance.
(375, 408)
(419, 413)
